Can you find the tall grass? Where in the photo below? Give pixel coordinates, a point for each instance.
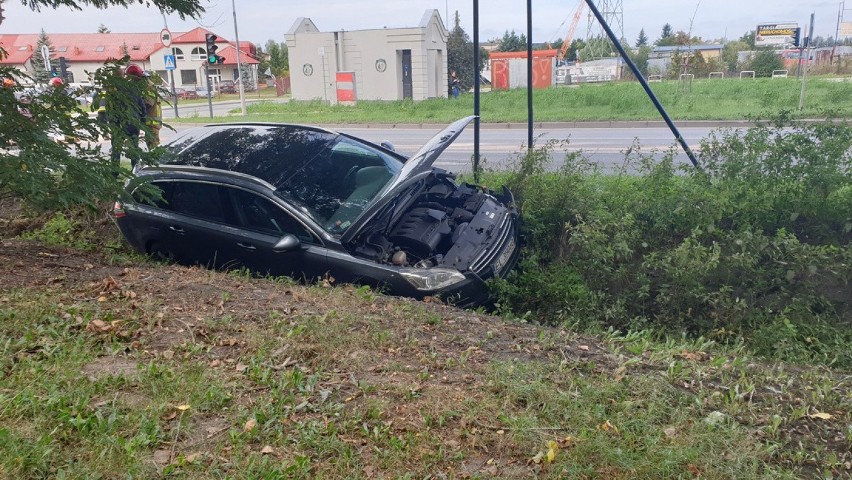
(755, 245)
(728, 99)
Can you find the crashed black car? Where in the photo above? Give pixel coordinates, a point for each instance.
(307, 202)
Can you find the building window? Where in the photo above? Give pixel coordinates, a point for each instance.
(100, 49)
(188, 77)
(178, 53)
(198, 54)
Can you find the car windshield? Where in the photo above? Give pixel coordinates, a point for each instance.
(337, 185)
(329, 177)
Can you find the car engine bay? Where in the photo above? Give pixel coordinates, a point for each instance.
(445, 224)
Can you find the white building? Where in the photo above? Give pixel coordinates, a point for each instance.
(387, 63)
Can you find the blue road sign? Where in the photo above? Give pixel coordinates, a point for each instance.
(169, 60)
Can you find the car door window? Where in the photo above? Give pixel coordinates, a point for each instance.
(200, 200)
(262, 215)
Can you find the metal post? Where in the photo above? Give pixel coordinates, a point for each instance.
(529, 77)
(476, 91)
(239, 63)
(638, 74)
(807, 61)
(209, 92)
(174, 94)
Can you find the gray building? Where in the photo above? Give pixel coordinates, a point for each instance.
(378, 64)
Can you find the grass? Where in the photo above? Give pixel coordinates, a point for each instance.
(728, 99)
(118, 367)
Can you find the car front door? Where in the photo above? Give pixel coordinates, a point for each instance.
(263, 223)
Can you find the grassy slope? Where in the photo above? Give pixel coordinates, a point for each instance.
(113, 366)
(730, 99)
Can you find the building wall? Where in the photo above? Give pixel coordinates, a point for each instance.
(375, 57)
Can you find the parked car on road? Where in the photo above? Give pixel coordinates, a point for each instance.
(203, 92)
(308, 202)
(185, 94)
(227, 86)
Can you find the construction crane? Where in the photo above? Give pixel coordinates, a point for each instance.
(572, 27)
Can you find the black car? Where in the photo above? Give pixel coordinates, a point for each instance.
(308, 202)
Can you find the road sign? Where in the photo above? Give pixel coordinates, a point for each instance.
(165, 37)
(45, 55)
(169, 60)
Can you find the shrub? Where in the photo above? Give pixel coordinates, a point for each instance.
(755, 241)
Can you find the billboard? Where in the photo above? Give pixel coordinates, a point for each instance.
(775, 34)
(845, 29)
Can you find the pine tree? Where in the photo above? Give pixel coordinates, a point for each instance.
(460, 54)
(40, 74)
(103, 29)
(642, 40)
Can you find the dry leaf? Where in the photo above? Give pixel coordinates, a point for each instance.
(183, 408)
(552, 447)
(250, 424)
(266, 450)
(192, 457)
(538, 457)
(821, 416)
(584, 348)
(241, 367)
(168, 354)
(670, 432)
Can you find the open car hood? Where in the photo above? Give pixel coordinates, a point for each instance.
(414, 168)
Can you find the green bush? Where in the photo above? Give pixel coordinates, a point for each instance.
(752, 246)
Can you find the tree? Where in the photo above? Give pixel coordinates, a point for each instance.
(642, 40)
(460, 55)
(765, 62)
(50, 158)
(277, 58)
(511, 42)
(730, 54)
(41, 74)
(103, 29)
(748, 39)
(184, 8)
(666, 36)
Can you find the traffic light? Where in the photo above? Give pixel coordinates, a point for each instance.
(797, 37)
(54, 73)
(63, 68)
(212, 58)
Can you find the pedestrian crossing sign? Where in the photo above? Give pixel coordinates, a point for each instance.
(169, 60)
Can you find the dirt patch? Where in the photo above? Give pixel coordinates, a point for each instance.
(104, 367)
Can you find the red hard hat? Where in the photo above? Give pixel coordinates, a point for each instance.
(56, 82)
(134, 70)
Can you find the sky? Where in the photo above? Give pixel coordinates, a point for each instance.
(262, 20)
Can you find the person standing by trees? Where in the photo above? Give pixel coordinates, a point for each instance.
(454, 84)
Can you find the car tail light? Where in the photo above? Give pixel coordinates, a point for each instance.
(118, 210)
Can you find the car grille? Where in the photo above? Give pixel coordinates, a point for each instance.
(481, 262)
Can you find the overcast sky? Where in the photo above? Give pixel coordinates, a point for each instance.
(261, 20)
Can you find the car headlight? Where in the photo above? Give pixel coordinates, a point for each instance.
(431, 278)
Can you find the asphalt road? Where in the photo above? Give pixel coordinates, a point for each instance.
(605, 146)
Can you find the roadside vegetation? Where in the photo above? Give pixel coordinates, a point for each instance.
(728, 99)
(753, 247)
(663, 323)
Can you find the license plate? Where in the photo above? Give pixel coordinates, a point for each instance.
(505, 256)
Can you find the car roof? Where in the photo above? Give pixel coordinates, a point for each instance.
(272, 152)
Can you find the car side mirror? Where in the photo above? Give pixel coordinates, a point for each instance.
(287, 243)
(388, 146)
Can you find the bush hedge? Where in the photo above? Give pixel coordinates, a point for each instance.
(753, 246)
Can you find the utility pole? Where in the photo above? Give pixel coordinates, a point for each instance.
(837, 32)
(239, 62)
